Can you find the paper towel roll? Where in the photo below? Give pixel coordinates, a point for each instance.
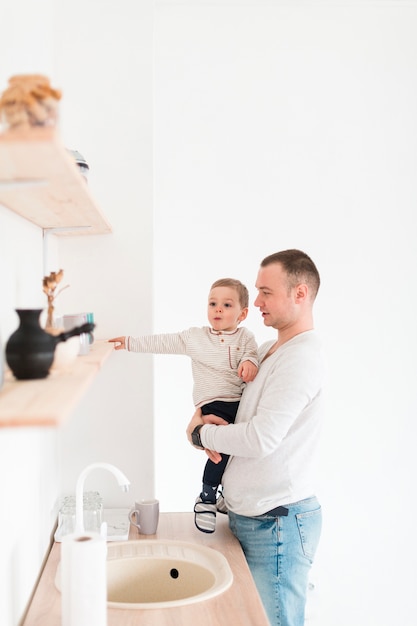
(83, 580)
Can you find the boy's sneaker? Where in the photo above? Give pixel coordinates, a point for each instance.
(221, 504)
(205, 515)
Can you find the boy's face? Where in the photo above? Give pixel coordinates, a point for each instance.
(224, 311)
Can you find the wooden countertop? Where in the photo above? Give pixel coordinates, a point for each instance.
(240, 604)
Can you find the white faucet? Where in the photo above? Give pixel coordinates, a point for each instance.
(79, 490)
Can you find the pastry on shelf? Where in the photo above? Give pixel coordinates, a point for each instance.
(29, 101)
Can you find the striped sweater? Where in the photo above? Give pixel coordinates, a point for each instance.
(215, 358)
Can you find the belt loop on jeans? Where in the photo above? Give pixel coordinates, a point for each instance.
(279, 511)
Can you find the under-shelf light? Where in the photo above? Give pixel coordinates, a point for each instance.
(23, 182)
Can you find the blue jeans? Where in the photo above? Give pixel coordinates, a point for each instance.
(280, 552)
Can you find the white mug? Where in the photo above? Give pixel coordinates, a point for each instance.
(78, 319)
(145, 516)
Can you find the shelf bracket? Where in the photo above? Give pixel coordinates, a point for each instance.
(45, 234)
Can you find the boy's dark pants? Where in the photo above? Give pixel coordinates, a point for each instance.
(213, 472)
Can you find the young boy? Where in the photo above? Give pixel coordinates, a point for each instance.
(224, 358)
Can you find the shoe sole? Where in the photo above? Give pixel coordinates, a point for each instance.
(205, 516)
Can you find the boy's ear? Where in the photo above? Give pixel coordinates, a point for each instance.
(243, 314)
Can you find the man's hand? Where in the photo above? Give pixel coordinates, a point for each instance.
(195, 421)
(199, 418)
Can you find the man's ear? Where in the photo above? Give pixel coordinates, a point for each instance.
(301, 292)
(243, 314)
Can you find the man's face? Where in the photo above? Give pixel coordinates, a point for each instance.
(275, 299)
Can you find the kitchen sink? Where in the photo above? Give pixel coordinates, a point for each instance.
(146, 574)
(151, 574)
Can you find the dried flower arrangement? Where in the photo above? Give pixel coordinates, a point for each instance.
(50, 284)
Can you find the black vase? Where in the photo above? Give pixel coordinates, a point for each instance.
(30, 350)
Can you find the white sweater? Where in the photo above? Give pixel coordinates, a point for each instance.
(215, 358)
(274, 440)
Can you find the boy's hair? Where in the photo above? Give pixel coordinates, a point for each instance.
(242, 291)
(299, 268)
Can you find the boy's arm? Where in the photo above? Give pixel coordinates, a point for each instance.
(248, 366)
(167, 343)
(250, 349)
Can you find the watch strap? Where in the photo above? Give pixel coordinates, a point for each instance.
(195, 436)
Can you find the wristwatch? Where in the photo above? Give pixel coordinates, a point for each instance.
(195, 436)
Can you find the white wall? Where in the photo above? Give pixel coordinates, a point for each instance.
(294, 125)
(105, 63)
(101, 59)
(270, 125)
(29, 482)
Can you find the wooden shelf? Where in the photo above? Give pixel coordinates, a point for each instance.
(48, 401)
(40, 181)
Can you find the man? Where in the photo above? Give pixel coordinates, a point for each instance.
(268, 484)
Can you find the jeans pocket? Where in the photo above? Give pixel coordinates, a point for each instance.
(309, 527)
